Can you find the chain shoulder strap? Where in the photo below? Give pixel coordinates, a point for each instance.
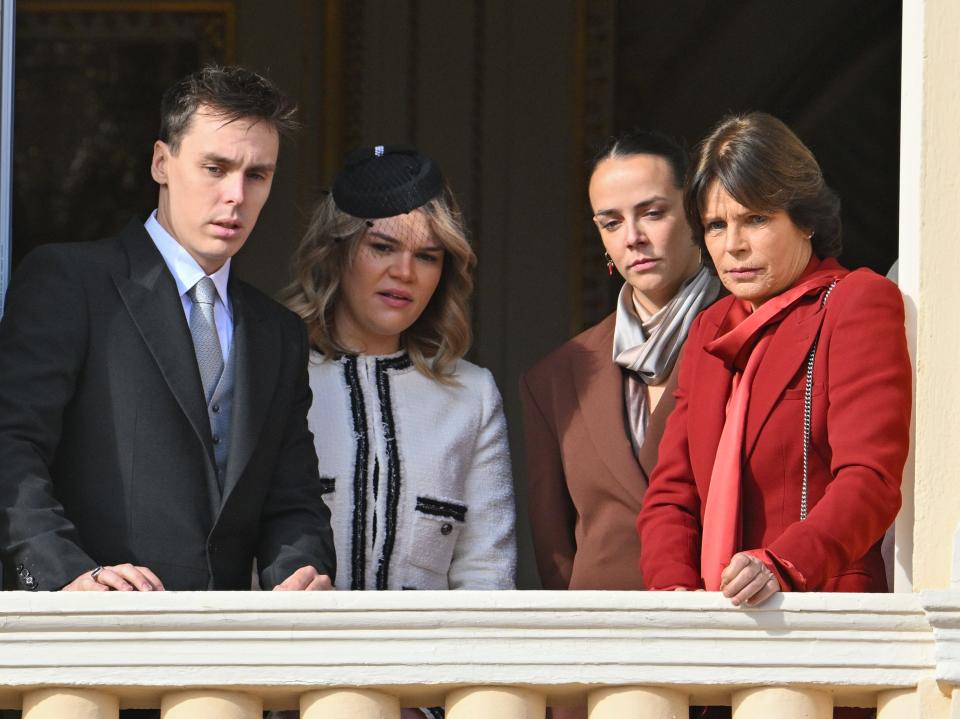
(808, 409)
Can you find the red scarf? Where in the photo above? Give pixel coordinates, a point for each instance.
(742, 349)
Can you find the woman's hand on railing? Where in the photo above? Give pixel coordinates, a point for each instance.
(748, 581)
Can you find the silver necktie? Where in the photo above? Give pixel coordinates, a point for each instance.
(206, 343)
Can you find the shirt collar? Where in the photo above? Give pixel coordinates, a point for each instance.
(185, 270)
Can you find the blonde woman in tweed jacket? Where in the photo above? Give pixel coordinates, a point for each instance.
(411, 438)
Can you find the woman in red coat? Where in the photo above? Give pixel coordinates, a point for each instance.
(748, 497)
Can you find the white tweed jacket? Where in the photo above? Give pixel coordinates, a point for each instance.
(416, 474)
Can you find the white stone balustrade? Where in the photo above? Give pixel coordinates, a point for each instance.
(480, 654)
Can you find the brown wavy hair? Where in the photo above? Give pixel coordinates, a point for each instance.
(763, 165)
(439, 337)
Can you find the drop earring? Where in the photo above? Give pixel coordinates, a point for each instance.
(606, 256)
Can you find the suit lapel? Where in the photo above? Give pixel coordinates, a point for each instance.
(255, 344)
(150, 296)
(786, 354)
(658, 419)
(599, 386)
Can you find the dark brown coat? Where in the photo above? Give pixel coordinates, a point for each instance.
(585, 485)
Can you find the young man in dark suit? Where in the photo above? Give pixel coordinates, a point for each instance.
(153, 430)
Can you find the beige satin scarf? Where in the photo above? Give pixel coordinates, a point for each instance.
(649, 348)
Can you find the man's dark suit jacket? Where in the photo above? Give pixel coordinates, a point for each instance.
(106, 452)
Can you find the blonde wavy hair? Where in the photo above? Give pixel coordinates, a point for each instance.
(439, 337)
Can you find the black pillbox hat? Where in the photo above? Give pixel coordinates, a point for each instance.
(385, 180)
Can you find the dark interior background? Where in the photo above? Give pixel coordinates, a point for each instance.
(830, 70)
(510, 96)
(86, 99)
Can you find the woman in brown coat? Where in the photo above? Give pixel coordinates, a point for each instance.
(594, 409)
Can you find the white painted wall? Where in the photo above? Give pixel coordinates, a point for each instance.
(929, 272)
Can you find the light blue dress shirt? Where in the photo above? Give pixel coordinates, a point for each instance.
(187, 272)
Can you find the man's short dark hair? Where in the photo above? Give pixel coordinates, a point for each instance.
(231, 93)
(642, 141)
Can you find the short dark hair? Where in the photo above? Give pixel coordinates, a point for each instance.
(763, 165)
(645, 142)
(231, 93)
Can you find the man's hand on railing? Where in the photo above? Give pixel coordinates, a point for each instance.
(746, 580)
(305, 579)
(122, 578)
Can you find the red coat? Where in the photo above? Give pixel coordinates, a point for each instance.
(860, 437)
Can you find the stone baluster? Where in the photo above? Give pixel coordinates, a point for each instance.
(349, 704)
(781, 702)
(210, 704)
(499, 702)
(898, 704)
(58, 703)
(927, 701)
(647, 702)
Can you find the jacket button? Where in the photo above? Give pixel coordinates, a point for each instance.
(216, 439)
(446, 529)
(215, 408)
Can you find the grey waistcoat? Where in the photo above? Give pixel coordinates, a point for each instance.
(220, 412)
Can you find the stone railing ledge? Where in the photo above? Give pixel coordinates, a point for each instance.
(425, 644)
